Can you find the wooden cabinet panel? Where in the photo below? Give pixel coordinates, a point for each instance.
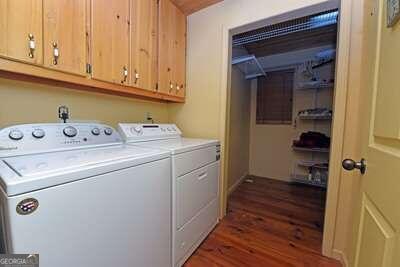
(180, 48)
(110, 40)
(65, 34)
(166, 46)
(21, 30)
(172, 42)
(144, 25)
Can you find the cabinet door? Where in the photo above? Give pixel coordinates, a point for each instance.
(144, 18)
(110, 41)
(166, 54)
(172, 49)
(65, 35)
(180, 53)
(21, 30)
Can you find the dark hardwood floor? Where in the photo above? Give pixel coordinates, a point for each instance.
(269, 223)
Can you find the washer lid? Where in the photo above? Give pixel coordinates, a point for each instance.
(180, 145)
(39, 171)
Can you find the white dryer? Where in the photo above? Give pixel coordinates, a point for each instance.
(195, 182)
(74, 194)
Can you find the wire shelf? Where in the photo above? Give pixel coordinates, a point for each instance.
(303, 179)
(315, 117)
(314, 149)
(312, 163)
(249, 65)
(297, 25)
(314, 86)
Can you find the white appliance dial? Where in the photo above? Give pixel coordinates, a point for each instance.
(96, 131)
(108, 131)
(16, 135)
(70, 131)
(38, 133)
(137, 129)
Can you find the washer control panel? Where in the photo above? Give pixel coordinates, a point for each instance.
(136, 132)
(38, 138)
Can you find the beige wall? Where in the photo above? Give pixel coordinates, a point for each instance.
(239, 117)
(270, 150)
(23, 102)
(271, 153)
(201, 116)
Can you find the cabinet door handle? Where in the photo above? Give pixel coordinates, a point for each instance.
(56, 53)
(137, 76)
(125, 73)
(171, 86)
(31, 45)
(178, 88)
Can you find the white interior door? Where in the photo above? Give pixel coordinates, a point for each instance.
(378, 234)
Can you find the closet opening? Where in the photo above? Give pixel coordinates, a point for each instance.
(280, 112)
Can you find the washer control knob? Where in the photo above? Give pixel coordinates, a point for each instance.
(70, 131)
(137, 129)
(108, 131)
(16, 135)
(96, 131)
(38, 133)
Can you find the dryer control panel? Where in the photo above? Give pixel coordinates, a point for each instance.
(39, 138)
(136, 132)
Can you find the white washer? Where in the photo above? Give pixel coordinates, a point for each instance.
(77, 196)
(195, 173)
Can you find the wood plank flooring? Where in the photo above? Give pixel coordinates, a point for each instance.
(269, 223)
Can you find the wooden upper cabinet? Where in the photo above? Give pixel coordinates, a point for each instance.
(110, 41)
(21, 30)
(172, 49)
(144, 36)
(65, 35)
(129, 44)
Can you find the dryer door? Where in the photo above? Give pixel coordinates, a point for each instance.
(194, 191)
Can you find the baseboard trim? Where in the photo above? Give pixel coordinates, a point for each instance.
(236, 184)
(285, 180)
(340, 256)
